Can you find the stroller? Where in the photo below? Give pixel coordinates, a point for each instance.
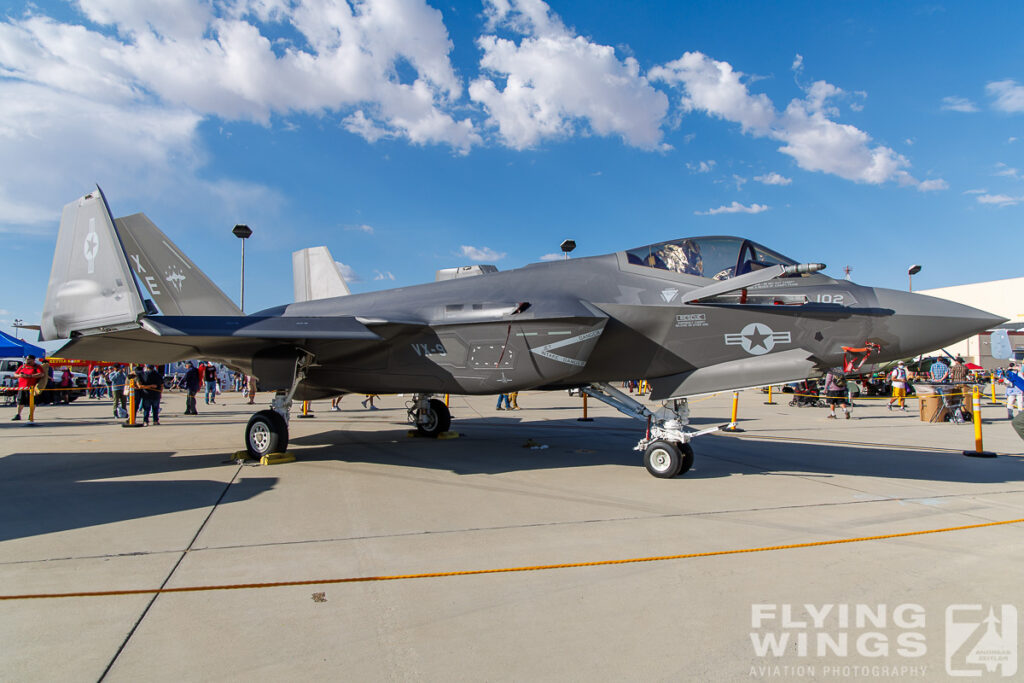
(806, 395)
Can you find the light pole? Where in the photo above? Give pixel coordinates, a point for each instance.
(911, 272)
(17, 326)
(242, 232)
(567, 246)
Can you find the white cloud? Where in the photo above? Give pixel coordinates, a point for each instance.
(348, 273)
(773, 179)
(121, 99)
(557, 84)
(552, 257)
(701, 166)
(806, 127)
(958, 104)
(932, 185)
(383, 275)
(481, 253)
(1007, 171)
(999, 199)
(1009, 95)
(368, 229)
(975, 191)
(735, 207)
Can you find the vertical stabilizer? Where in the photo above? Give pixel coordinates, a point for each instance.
(91, 287)
(176, 284)
(315, 275)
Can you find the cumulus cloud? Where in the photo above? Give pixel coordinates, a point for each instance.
(554, 84)
(121, 97)
(383, 275)
(773, 179)
(348, 273)
(999, 199)
(481, 253)
(735, 207)
(958, 104)
(932, 185)
(1009, 96)
(805, 127)
(552, 257)
(701, 166)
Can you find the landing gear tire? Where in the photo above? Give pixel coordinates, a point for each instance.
(438, 419)
(266, 433)
(687, 451)
(664, 459)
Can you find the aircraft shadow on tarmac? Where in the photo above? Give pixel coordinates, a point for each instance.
(42, 493)
(494, 445)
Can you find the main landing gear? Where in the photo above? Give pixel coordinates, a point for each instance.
(666, 444)
(267, 431)
(430, 415)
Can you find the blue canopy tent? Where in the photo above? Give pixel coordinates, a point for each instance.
(16, 348)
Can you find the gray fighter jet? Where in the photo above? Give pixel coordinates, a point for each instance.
(692, 316)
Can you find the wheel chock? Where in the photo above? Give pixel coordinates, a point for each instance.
(448, 435)
(277, 458)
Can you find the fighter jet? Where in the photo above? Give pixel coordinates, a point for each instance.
(693, 316)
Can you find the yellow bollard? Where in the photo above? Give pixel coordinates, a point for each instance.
(446, 400)
(732, 426)
(31, 404)
(769, 402)
(306, 412)
(992, 383)
(979, 451)
(131, 400)
(584, 418)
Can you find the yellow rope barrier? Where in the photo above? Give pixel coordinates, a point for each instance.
(507, 570)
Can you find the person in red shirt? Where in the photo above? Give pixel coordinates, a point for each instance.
(28, 375)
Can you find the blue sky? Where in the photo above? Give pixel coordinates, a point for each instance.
(409, 136)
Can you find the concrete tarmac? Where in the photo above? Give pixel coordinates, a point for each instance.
(89, 506)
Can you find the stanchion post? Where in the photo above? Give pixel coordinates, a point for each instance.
(979, 451)
(769, 402)
(732, 426)
(31, 404)
(446, 397)
(305, 411)
(130, 387)
(992, 383)
(584, 418)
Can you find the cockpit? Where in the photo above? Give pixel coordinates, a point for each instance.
(718, 258)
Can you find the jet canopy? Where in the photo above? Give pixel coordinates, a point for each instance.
(718, 258)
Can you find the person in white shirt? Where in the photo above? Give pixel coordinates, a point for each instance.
(898, 377)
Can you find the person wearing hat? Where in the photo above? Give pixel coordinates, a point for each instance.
(898, 377)
(28, 376)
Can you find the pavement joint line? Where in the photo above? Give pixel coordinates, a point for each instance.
(479, 572)
(575, 522)
(167, 578)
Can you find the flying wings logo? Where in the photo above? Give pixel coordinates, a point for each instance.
(977, 644)
(758, 339)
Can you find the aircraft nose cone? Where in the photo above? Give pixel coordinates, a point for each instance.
(923, 323)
